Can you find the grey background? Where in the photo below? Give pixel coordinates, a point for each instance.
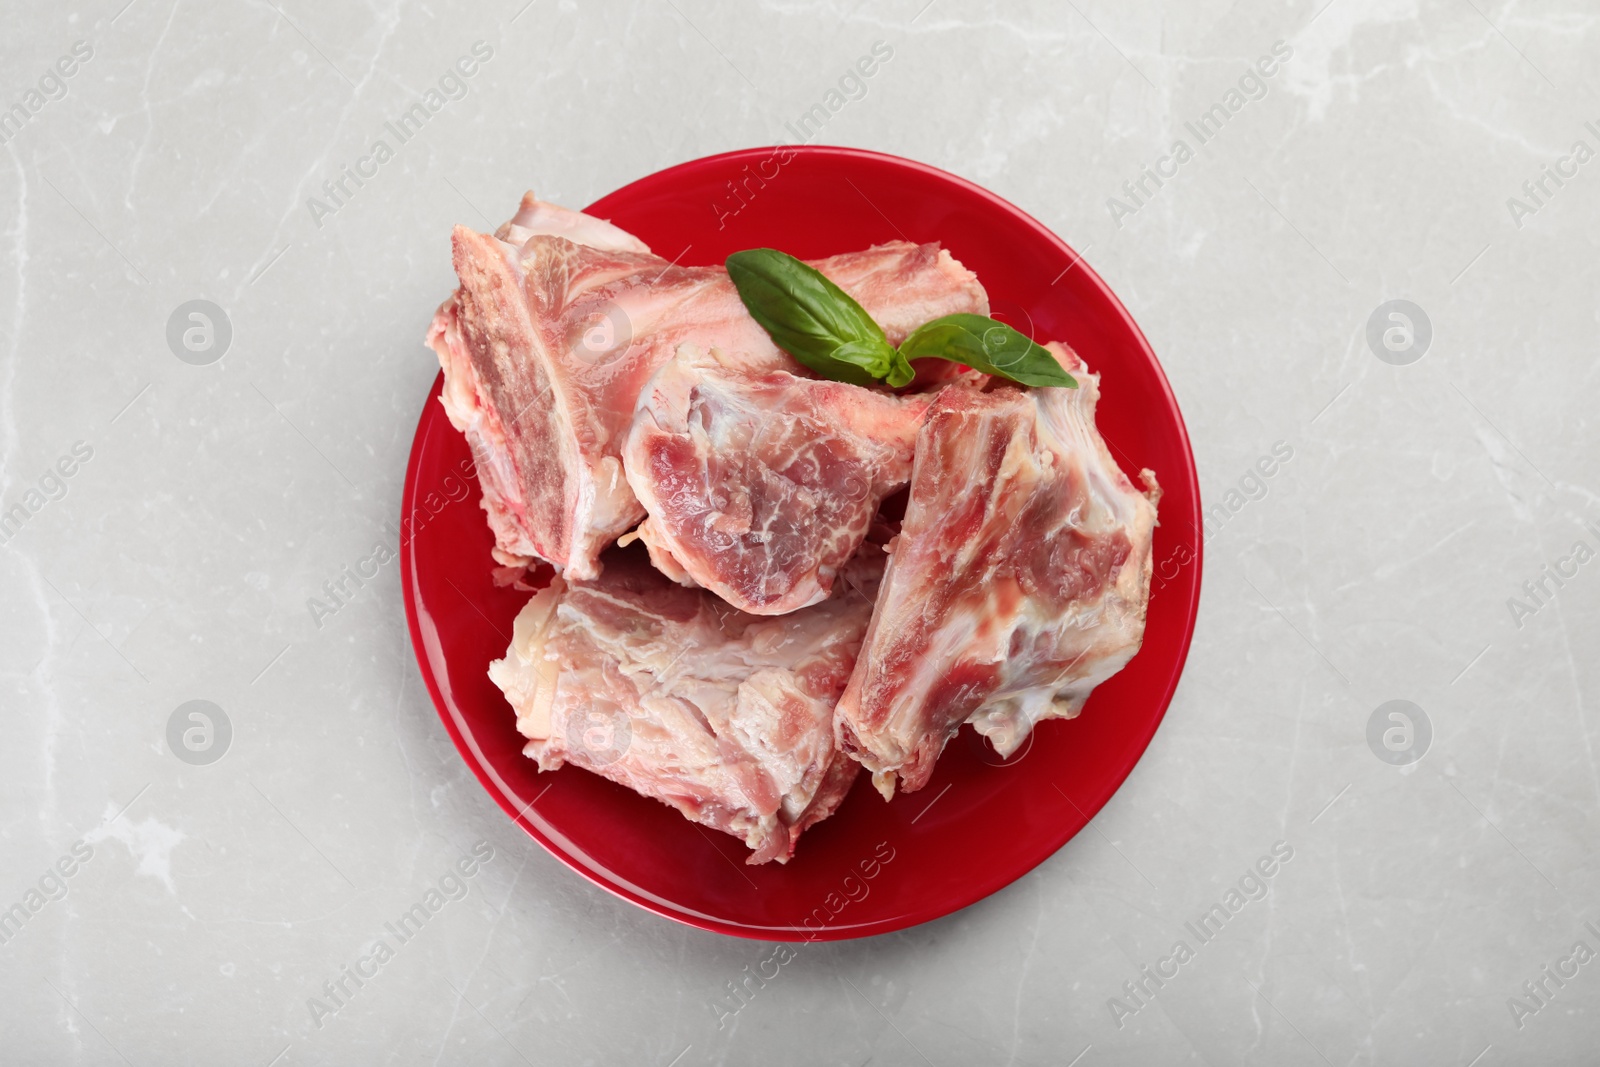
(1376, 567)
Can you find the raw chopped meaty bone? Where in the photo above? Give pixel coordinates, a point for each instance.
(725, 716)
(561, 318)
(1018, 581)
(759, 479)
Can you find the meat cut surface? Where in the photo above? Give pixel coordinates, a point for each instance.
(761, 480)
(1018, 581)
(725, 716)
(559, 321)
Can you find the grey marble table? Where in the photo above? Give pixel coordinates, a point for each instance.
(1260, 182)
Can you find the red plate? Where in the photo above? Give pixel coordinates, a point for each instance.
(873, 867)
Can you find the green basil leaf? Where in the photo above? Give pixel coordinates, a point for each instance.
(989, 346)
(811, 318)
(940, 339)
(900, 371)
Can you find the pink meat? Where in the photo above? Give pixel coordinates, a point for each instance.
(760, 480)
(1018, 582)
(559, 321)
(725, 716)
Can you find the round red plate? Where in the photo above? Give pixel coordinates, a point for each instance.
(873, 867)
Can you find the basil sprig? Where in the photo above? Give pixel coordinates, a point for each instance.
(821, 326)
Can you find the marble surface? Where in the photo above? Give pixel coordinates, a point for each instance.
(1384, 560)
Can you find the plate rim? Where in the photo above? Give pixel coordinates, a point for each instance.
(980, 888)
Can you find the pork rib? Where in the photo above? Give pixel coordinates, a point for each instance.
(759, 479)
(726, 717)
(1018, 581)
(558, 322)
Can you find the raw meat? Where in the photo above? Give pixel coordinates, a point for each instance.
(761, 480)
(559, 321)
(1018, 581)
(725, 716)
